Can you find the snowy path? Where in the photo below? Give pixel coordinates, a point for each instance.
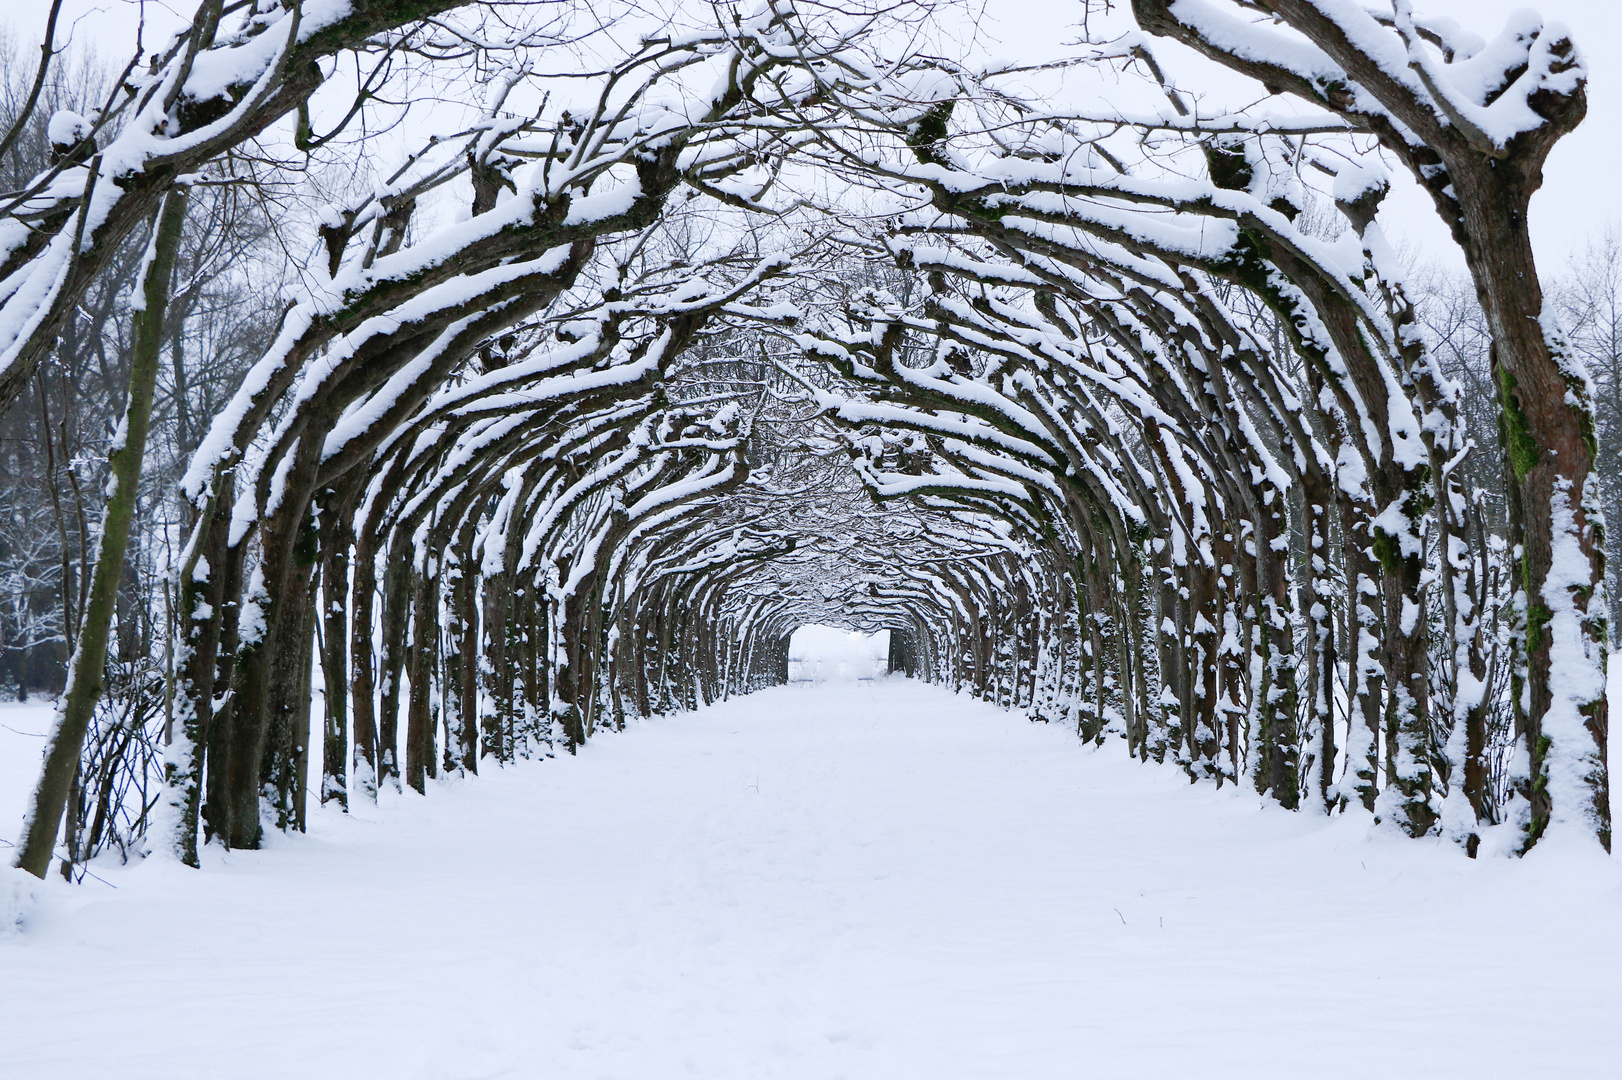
(861, 881)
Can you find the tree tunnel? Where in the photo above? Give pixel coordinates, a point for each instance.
(582, 412)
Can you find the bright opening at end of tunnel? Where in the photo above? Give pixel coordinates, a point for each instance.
(818, 654)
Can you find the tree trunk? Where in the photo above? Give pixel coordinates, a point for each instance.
(424, 654)
(1547, 425)
(396, 622)
(337, 536)
(363, 688)
(86, 669)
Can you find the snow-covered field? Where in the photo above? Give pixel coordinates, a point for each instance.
(22, 736)
(858, 880)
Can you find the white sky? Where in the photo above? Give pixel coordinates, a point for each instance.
(1578, 199)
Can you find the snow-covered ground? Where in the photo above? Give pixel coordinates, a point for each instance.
(849, 880)
(22, 740)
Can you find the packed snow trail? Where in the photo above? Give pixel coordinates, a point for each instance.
(858, 881)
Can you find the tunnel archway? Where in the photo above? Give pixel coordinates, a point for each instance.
(1145, 458)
